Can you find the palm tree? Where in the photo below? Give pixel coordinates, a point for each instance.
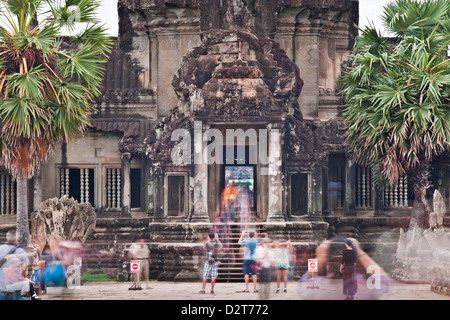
(47, 82)
(397, 93)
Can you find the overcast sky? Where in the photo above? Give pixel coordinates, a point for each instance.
(108, 13)
(369, 10)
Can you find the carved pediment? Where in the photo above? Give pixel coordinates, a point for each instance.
(235, 73)
(309, 140)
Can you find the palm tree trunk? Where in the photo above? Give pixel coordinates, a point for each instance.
(23, 228)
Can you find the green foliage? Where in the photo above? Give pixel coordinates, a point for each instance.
(397, 90)
(47, 80)
(87, 276)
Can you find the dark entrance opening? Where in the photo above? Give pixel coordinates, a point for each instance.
(136, 188)
(175, 195)
(299, 194)
(239, 166)
(336, 182)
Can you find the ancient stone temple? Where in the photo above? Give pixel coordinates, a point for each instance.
(198, 93)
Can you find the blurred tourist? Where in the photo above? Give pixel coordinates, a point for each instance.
(15, 279)
(283, 256)
(10, 248)
(140, 251)
(370, 285)
(348, 270)
(210, 269)
(249, 245)
(265, 259)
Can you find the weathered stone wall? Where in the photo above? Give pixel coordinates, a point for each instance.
(177, 248)
(96, 150)
(317, 36)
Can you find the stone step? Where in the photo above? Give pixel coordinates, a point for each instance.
(231, 270)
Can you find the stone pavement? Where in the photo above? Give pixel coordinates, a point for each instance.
(328, 289)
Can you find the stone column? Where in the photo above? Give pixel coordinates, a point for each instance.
(151, 188)
(275, 175)
(378, 205)
(350, 205)
(307, 59)
(126, 194)
(316, 192)
(200, 210)
(158, 194)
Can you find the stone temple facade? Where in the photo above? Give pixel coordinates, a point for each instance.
(184, 76)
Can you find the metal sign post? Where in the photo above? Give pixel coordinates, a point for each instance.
(313, 268)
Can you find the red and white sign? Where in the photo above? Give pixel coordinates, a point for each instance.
(312, 265)
(134, 266)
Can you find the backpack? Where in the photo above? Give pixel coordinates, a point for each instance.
(212, 254)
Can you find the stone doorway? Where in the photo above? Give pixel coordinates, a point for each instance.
(239, 166)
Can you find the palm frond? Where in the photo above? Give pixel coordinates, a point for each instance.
(397, 98)
(47, 82)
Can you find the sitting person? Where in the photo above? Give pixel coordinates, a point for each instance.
(15, 280)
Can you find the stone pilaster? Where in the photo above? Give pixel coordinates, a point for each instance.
(275, 173)
(200, 210)
(307, 58)
(158, 182)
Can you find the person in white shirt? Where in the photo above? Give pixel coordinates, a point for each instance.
(140, 251)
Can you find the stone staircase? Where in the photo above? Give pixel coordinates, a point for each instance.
(230, 267)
